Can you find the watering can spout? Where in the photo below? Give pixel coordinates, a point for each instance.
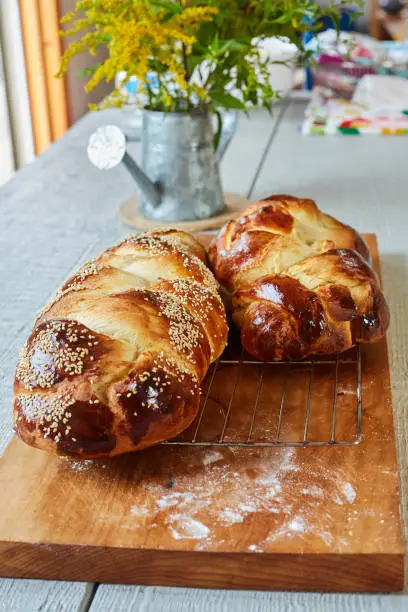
(107, 149)
(146, 186)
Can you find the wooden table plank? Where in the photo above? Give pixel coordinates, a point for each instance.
(44, 596)
(162, 599)
(361, 179)
(243, 158)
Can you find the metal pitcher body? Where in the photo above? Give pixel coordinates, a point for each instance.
(179, 159)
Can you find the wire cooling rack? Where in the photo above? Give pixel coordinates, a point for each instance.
(247, 403)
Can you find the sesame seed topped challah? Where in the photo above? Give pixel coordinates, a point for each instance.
(300, 281)
(114, 362)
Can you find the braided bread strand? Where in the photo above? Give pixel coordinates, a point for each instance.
(114, 362)
(299, 280)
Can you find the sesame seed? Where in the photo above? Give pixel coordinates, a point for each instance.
(58, 340)
(46, 409)
(63, 347)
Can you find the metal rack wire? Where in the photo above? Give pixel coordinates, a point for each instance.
(295, 403)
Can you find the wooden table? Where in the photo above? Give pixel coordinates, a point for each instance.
(60, 211)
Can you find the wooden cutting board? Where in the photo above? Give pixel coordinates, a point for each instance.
(308, 518)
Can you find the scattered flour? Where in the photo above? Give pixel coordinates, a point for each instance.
(272, 485)
(229, 517)
(297, 524)
(81, 466)
(224, 497)
(349, 492)
(186, 528)
(139, 511)
(314, 491)
(248, 507)
(327, 537)
(260, 493)
(345, 495)
(174, 499)
(212, 457)
(337, 499)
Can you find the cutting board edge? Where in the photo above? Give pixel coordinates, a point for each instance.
(375, 573)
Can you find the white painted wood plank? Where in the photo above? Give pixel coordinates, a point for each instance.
(361, 179)
(243, 157)
(43, 596)
(160, 599)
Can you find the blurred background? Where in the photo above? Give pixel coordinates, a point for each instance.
(36, 108)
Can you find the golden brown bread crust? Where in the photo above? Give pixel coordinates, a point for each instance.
(300, 281)
(114, 362)
(273, 234)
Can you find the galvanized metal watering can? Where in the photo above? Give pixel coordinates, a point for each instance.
(179, 177)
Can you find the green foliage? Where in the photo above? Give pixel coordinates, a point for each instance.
(203, 52)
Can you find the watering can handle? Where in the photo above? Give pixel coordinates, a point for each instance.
(229, 121)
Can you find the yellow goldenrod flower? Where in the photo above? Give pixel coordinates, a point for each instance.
(174, 38)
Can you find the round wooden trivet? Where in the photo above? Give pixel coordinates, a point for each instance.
(129, 213)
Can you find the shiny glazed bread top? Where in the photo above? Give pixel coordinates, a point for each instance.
(300, 280)
(114, 362)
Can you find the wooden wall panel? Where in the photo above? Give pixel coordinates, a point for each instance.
(42, 49)
(31, 28)
(51, 45)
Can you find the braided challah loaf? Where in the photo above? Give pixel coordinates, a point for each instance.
(114, 362)
(300, 280)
